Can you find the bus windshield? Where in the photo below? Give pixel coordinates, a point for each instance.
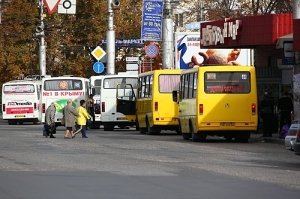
(19, 88)
(63, 84)
(112, 83)
(227, 82)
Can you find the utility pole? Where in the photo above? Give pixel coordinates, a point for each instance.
(168, 37)
(110, 37)
(41, 34)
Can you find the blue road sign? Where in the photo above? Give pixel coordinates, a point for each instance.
(152, 20)
(98, 67)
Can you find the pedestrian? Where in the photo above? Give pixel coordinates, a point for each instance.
(267, 114)
(49, 126)
(285, 108)
(70, 114)
(83, 117)
(91, 109)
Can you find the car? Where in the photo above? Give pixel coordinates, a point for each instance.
(290, 138)
(297, 144)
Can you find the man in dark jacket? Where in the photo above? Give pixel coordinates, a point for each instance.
(49, 126)
(267, 114)
(285, 107)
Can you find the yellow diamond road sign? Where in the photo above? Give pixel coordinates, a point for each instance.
(98, 53)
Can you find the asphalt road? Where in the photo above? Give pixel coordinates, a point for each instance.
(126, 164)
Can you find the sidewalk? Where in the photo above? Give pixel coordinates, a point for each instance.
(274, 139)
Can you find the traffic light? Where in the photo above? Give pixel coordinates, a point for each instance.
(39, 29)
(115, 3)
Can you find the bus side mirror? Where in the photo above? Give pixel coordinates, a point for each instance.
(175, 96)
(93, 91)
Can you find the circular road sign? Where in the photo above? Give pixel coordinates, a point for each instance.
(67, 4)
(152, 50)
(98, 67)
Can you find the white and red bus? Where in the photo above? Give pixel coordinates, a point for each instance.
(59, 90)
(20, 101)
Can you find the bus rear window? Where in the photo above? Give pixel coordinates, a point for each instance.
(112, 83)
(227, 82)
(168, 83)
(19, 88)
(62, 84)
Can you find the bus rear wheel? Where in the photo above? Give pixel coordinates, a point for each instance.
(199, 137)
(244, 138)
(108, 127)
(12, 122)
(186, 136)
(151, 130)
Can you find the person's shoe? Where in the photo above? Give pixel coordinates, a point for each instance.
(51, 136)
(67, 137)
(76, 133)
(84, 136)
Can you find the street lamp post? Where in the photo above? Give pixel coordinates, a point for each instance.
(168, 37)
(110, 36)
(41, 34)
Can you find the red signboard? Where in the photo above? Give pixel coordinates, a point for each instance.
(246, 31)
(296, 35)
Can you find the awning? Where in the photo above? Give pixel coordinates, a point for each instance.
(283, 39)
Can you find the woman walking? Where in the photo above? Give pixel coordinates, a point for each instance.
(83, 117)
(70, 114)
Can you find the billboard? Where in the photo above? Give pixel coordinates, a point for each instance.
(151, 29)
(188, 53)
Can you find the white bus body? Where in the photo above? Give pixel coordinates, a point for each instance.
(59, 90)
(20, 101)
(113, 95)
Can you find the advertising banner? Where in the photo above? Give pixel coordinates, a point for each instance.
(188, 53)
(152, 20)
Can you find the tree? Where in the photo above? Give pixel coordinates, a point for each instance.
(16, 39)
(237, 8)
(69, 38)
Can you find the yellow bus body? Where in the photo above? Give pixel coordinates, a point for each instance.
(232, 115)
(155, 109)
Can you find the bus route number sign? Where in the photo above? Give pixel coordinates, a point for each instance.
(152, 50)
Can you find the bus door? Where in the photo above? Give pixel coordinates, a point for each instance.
(126, 99)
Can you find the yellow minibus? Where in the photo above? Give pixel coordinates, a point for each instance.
(155, 108)
(217, 100)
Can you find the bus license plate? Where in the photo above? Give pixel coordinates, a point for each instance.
(121, 118)
(227, 124)
(20, 116)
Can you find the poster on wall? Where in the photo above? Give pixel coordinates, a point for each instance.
(296, 97)
(188, 53)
